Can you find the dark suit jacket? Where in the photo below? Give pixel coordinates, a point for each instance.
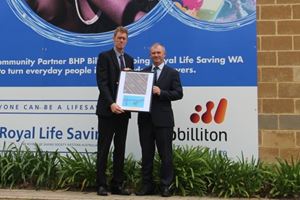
(161, 108)
(108, 73)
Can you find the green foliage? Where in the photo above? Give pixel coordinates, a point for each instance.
(234, 179)
(285, 179)
(22, 167)
(198, 171)
(44, 168)
(77, 170)
(191, 170)
(16, 166)
(131, 172)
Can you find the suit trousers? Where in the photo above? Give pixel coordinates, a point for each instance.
(161, 136)
(111, 128)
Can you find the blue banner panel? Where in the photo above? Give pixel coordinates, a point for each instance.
(48, 58)
(218, 50)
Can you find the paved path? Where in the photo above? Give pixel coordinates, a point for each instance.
(6, 194)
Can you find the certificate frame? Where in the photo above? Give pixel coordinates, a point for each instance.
(135, 91)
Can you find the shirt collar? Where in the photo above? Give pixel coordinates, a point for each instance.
(117, 53)
(160, 67)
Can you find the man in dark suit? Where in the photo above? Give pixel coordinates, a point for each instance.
(112, 120)
(156, 127)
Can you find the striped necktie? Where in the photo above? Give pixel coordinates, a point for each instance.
(155, 74)
(122, 65)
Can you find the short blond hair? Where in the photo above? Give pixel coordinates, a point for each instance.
(121, 29)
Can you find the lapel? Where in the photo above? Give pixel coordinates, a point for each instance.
(162, 75)
(114, 59)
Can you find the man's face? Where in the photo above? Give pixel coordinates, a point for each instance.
(120, 41)
(157, 54)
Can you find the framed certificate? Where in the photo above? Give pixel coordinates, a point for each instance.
(135, 91)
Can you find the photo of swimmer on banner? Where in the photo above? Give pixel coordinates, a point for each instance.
(91, 16)
(217, 10)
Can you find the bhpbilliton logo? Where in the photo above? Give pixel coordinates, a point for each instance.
(207, 115)
(212, 112)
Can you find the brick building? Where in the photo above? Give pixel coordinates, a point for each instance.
(278, 47)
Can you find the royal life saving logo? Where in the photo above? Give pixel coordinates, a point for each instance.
(204, 117)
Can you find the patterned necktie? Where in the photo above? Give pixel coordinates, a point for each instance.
(122, 65)
(155, 74)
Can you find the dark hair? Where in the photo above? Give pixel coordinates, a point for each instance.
(120, 29)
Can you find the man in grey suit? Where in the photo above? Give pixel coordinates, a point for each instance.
(156, 127)
(112, 119)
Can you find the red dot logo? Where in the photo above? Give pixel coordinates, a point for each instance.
(198, 108)
(195, 118)
(208, 116)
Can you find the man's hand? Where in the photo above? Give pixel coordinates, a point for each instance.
(115, 108)
(156, 90)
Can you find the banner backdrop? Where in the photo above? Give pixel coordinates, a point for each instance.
(49, 52)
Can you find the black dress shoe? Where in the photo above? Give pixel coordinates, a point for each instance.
(145, 190)
(165, 192)
(120, 191)
(102, 191)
